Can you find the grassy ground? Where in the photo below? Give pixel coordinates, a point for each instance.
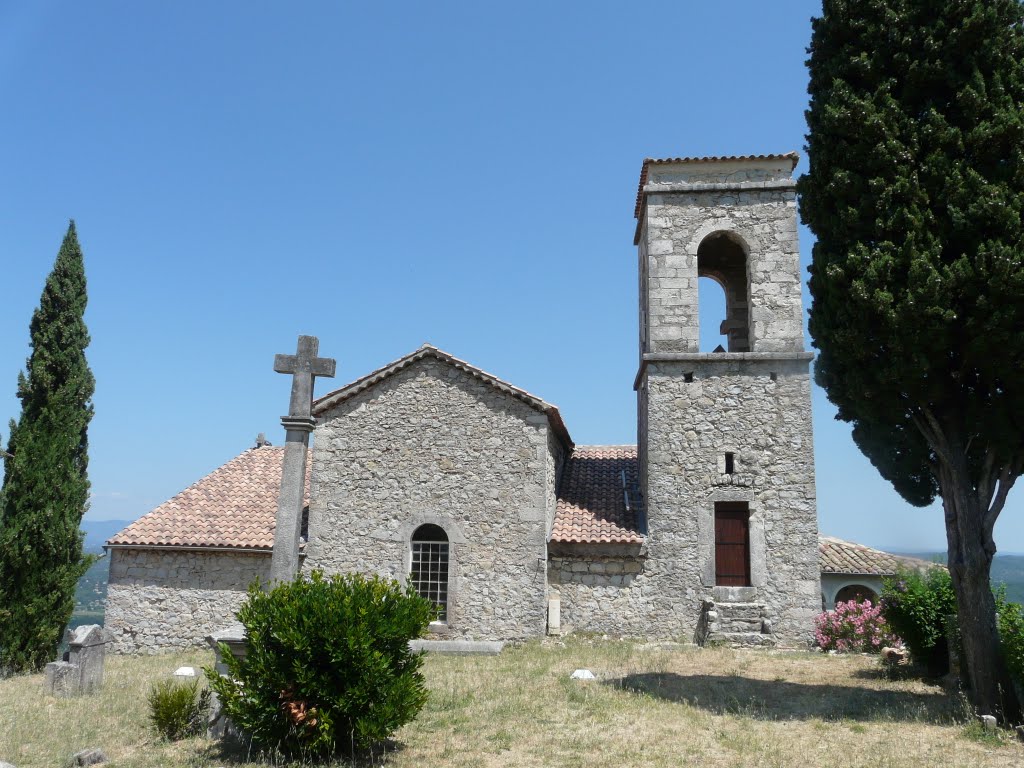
(650, 706)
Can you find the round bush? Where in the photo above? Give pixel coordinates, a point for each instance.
(327, 666)
(853, 626)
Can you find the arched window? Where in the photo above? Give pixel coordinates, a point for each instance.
(856, 592)
(722, 257)
(429, 571)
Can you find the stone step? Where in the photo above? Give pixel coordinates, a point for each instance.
(749, 639)
(739, 610)
(731, 624)
(459, 647)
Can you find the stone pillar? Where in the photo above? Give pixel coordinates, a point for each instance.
(284, 562)
(304, 366)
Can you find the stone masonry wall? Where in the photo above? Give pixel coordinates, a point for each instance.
(159, 600)
(759, 410)
(757, 206)
(432, 444)
(608, 595)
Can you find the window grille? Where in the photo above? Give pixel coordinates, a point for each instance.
(429, 572)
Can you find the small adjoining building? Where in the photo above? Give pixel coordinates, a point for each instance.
(433, 471)
(854, 572)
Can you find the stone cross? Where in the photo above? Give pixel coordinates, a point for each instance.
(304, 366)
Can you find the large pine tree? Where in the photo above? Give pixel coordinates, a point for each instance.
(46, 488)
(916, 195)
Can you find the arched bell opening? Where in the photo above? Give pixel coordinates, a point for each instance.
(722, 257)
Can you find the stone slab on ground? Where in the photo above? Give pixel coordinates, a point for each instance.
(459, 647)
(89, 757)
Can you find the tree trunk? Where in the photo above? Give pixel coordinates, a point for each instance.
(970, 561)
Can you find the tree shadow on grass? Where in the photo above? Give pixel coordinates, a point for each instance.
(237, 751)
(901, 672)
(781, 700)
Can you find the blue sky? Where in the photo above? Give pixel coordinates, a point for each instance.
(378, 175)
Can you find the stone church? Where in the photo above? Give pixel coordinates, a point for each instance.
(433, 471)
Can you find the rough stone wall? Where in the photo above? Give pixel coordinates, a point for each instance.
(756, 205)
(432, 444)
(555, 461)
(759, 410)
(159, 600)
(644, 287)
(609, 595)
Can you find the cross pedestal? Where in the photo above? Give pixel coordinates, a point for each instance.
(304, 366)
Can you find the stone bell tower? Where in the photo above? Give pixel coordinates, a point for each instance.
(724, 438)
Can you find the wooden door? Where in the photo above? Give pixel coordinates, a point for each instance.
(732, 544)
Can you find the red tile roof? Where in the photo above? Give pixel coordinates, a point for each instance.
(598, 497)
(649, 161)
(233, 507)
(838, 556)
(373, 378)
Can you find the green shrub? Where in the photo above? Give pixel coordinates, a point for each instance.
(178, 709)
(327, 665)
(916, 606)
(1011, 635)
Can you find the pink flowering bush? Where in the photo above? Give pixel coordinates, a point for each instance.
(854, 627)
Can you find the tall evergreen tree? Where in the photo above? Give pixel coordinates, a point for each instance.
(916, 195)
(46, 488)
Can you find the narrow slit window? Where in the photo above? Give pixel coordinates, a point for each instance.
(429, 569)
(730, 463)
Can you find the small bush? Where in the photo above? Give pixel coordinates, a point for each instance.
(916, 605)
(178, 709)
(1011, 636)
(327, 666)
(853, 626)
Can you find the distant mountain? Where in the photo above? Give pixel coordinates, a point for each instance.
(1009, 570)
(98, 531)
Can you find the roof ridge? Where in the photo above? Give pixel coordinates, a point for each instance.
(378, 375)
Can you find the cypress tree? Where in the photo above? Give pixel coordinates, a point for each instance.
(916, 196)
(46, 488)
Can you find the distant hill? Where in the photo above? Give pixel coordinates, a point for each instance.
(92, 587)
(1007, 569)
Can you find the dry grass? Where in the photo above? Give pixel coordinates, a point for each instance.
(649, 706)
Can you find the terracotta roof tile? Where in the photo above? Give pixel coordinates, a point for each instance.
(234, 506)
(838, 556)
(592, 498)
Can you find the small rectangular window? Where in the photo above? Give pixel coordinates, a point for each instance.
(688, 378)
(730, 464)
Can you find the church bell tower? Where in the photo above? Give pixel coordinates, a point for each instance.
(724, 437)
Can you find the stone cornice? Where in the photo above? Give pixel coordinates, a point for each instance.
(717, 357)
(718, 186)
